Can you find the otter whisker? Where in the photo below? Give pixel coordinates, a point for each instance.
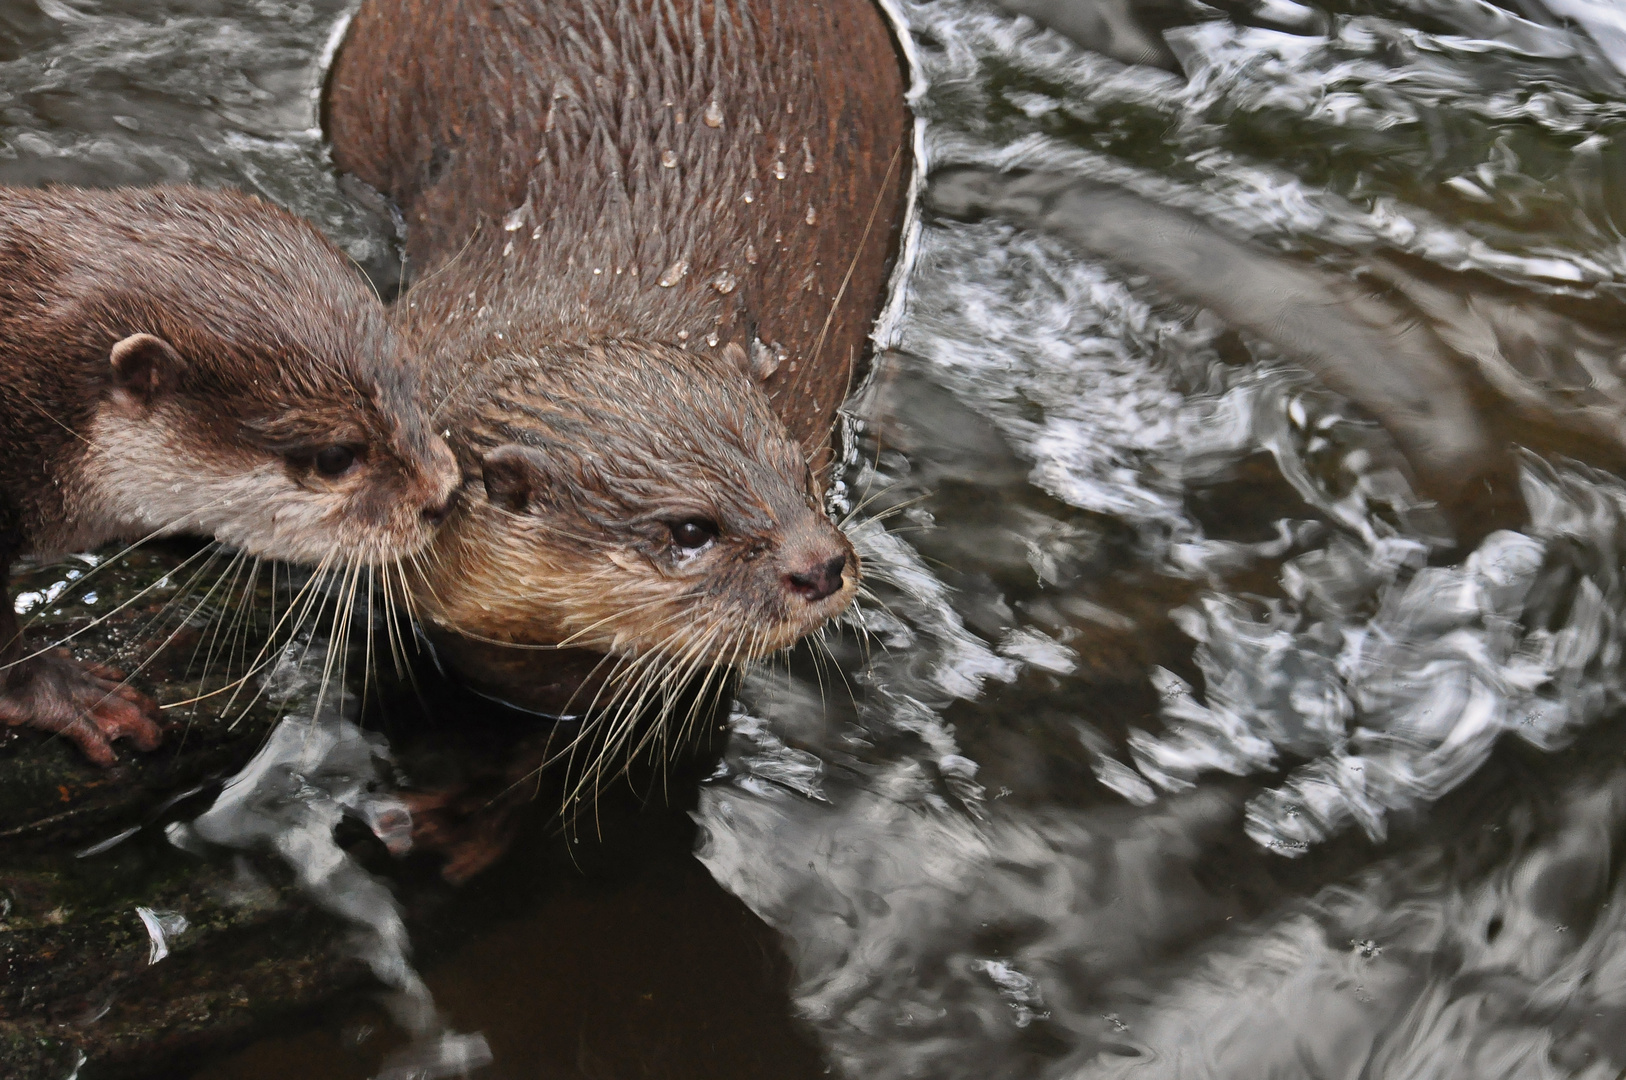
(391, 628)
(186, 620)
(866, 636)
(858, 251)
(700, 705)
(367, 654)
(821, 641)
(675, 676)
(88, 576)
(213, 552)
(633, 609)
(338, 636)
(150, 625)
(698, 700)
(890, 512)
(865, 593)
(242, 639)
(427, 578)
(625, 712)
(104, 616)
(851, 517)
(818, 676)
(236, 630)
(218, 625)
(678, 678)
(549, 756)
(598, 726)
(622, 669)
(335, 642)
(308, 592)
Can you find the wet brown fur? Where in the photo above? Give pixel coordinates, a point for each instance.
(279, 349)
(648, 241)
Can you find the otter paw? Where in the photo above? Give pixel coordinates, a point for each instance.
(87, 703)
(468, 832)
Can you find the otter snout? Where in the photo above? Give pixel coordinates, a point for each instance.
(819, 581)
(440, 483)
(433, 515)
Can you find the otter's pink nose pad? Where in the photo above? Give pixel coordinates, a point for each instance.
(819, 582)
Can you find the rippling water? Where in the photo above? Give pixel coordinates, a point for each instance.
(1188, 735)
(1022, 852)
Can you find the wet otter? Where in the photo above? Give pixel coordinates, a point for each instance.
(649, 241)
(183, 361)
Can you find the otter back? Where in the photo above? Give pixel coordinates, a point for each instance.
(693, 173)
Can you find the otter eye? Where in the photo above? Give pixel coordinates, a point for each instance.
(694, 534)
(334, 460)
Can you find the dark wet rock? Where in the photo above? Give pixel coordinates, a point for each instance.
(82, 850)
(78, 980)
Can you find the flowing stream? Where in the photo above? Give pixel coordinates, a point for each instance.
(1188, 733)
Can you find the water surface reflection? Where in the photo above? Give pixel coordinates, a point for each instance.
(1201, 726)
(1156, 786)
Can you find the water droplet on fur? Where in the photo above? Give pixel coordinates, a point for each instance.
(597, 270)
(807, 157)
(683, 335)
(779, 169)
(674, 274)
(750, 198)
(669, 159)
(508, 249)
(713, 115)
(751, 254)
(711, 339)
(724, 282)
(514, 220)
(812, 216)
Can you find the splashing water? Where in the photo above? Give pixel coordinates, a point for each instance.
(315, 770)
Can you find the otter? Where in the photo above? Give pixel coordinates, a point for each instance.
(648, 241)
(184, 361)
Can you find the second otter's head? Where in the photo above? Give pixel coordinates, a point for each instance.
(254, 389)
(637, 498)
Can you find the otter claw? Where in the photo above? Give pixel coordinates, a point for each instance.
(86, 703)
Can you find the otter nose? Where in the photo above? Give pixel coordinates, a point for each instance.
(435, 513)
(820, 581)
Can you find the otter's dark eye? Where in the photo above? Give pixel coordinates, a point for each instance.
(334, 460)
(694, 534)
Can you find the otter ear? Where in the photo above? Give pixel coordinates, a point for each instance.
(765, 360)
(762, 362)
(142, 366)
(514, 476)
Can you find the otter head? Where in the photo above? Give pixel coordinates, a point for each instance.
(254, 391)
(637, 499)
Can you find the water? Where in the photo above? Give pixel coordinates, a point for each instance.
(1187, 735)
